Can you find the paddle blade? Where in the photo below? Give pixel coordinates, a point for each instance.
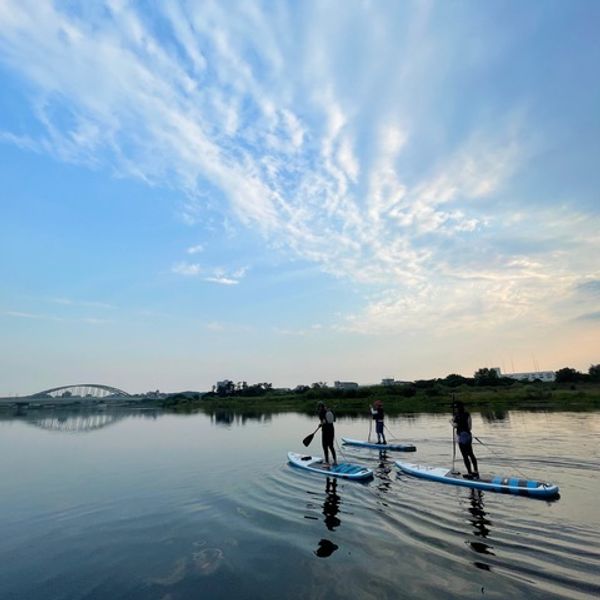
(308, 439)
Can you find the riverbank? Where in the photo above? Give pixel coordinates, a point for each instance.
(405, 399)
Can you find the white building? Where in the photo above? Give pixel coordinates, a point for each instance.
(345, 385)
(392, 381)
(529, 376)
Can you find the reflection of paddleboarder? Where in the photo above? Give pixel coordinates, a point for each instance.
(462, 424)
(325, 548)
(478, 513)
(377, 414)
(331, 506)
(480, 528)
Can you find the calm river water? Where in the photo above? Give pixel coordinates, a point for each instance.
(143, 505)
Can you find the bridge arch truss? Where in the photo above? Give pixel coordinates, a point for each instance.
(83, 390)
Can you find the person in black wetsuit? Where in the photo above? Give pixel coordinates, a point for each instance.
(377, 414)
(462, 424)
(327, 418)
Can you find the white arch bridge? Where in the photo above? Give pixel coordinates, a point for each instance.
(79, 393)
(83, 390)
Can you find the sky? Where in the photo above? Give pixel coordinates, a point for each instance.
(296, 191)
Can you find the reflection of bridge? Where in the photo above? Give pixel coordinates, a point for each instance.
(77, 419)
(80, 393)
(76, 423)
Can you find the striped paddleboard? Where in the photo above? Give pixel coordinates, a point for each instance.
(492, 483)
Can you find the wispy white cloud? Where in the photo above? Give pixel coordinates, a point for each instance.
(26, 315)
(82, 303)
(314, 329)
(211, 274)
(225, 277)
(268, 127)
(222, 280)
(46, 317)
(186, 269)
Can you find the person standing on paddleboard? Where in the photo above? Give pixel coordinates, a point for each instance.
(377, 414)
(462, 424)
(327, 418)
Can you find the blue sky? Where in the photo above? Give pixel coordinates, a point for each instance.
(296, 192)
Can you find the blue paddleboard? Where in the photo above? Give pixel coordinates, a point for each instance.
(315, 464)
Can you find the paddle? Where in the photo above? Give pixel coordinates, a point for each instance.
(476, 438)
(499, 455)
(309, 438)
(454, 471)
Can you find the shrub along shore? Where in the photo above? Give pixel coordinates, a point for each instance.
(432, 396)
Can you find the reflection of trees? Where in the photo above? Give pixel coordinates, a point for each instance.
(228, 417)
(493, 416)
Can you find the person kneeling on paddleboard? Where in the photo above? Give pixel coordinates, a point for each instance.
(327, 418)
(462, 424)
(377, 414)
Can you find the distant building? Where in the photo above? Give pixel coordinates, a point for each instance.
(391, 381)
(345, 385)
(529, 376)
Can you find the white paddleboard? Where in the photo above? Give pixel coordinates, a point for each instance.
(388, 446)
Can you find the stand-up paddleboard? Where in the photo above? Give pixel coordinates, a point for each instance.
(316, 465)
(492, 483)
(388, 446)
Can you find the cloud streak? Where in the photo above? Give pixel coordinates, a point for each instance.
(212, 275)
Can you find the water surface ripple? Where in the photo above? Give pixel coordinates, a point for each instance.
(177, 507)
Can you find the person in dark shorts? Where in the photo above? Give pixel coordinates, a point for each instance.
(327, 419)
(377, 414)
(462, 425)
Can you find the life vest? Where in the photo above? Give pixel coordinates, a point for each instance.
(462, 422)
(326, 417)
(377, 413)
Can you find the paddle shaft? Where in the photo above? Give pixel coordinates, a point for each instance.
(453, 450)
(393, 437)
